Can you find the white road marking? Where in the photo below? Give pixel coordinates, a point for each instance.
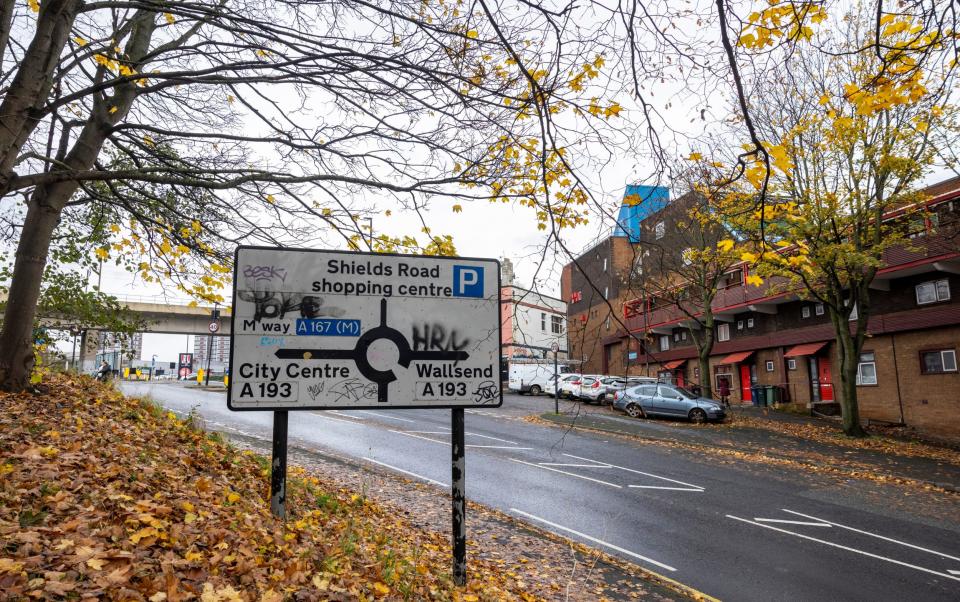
(410, 434)
(594, 540)
(953, 571)
(849, 549)
(339, 413)
(607, 465)
(574, 465)
(387, 416)
(497, 447)
(489, 437)
(572, 474)
(665, 487)
(429, 432)
(791, 522)
(890, 539)
(326, 417)
(412, 474)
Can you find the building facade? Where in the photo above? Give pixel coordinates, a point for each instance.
(908, 371)
(219, 356)
(532, 323)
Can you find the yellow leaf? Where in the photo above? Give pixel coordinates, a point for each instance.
(470, 598)
(748, 257)
(102, 253)
(169, 18)
(472, 34)
(457, 209)
(695, 157)
(233, 497)
(193, 556)
(80, 41)
(113, 110)
(114, 227)
(188, 506)
(34, 5)
(824, 99)
(95, 564)
(381, 589)
(158, 597)
(190, 518)
(388, 213)
(754, 280)
(230, 99)
(725, 245)
(143, 533)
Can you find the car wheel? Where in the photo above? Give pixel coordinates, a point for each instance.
(698, 416)
(535, 390)
(633, 410)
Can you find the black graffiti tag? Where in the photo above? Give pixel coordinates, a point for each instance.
(436, 337)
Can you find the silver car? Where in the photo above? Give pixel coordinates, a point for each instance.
(667, 400)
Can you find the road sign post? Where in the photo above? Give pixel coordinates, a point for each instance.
(555, 347)
(278, 466)
(459, 499)
(318, 330)
(213, 327)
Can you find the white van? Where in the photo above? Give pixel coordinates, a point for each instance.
(531, 378)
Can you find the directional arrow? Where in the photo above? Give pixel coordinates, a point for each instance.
(359, 353)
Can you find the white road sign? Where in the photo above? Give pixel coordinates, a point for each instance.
(330, 329)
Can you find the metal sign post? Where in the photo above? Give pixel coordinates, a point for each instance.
(278, 466)
(318, 330)
(459, 497)
(555, 347)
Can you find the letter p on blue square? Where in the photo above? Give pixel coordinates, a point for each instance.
(467, 281)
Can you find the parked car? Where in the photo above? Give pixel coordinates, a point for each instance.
(608, 385)
(589, 385)
(569, 385)
(531, 378)
(667, 400)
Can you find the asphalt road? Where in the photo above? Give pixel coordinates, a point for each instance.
(728, 532)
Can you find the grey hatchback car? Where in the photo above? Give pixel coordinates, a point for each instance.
(667, 400)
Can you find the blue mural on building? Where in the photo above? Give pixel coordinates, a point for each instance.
(639, 201)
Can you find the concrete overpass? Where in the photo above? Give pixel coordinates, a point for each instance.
(174, 316)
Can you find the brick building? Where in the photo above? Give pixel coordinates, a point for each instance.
(908, 373)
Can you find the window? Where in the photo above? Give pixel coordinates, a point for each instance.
(933, 291)
(676, 336)
(791, 364)
(819, 309)
(606, 292)
(543, 321)
(739, 324)
(733, 278)
(938, 362)
(606, 324)
(664, 342)
(723, 332)
(683, 335)
(769, 366)
(556, 324)
(660, 230)
(749, 322)
(867, 369)
(805, 311)
(604, 264)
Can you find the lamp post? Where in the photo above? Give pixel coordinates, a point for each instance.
(555, 347)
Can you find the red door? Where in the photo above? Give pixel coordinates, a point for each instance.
(826, 380)
(745, 383)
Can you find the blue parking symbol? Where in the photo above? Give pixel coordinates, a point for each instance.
(467, 281)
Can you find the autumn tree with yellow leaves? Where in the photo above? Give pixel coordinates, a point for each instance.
(160, 134)
(848, 136)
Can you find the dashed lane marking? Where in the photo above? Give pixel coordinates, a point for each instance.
(406, 472)
(387, 416)
(594, 540)
(847, 548)
(572, 474)
(890, 539)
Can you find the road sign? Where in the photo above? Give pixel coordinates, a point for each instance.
(330, 329)
(214, 326)
(555, 347)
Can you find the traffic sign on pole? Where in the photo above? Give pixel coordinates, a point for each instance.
(335, 330)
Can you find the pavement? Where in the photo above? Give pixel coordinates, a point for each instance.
(735, 437)
(709, 517)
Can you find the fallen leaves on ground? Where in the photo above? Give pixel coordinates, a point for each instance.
(832, 435)
(107, 497)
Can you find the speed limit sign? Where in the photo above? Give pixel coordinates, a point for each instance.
(214, 326)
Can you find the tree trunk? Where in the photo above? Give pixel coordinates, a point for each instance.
(16, 338)
(30, 87)
(849, 361)
(706, 388)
